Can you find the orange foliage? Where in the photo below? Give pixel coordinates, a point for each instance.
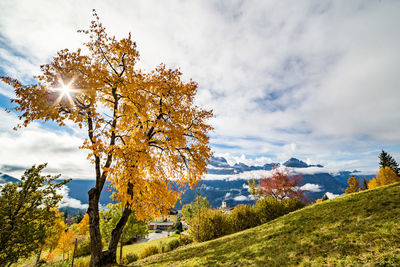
(353, 185)
(374, 183)
(385, 176)
(143, 128)
(282, 185)
(83, 226)
(66, 242)
(55, 232)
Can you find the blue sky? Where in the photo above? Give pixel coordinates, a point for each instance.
(316, 80)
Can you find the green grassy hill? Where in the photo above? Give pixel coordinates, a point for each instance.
(361, 229)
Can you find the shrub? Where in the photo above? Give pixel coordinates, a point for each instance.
(185, 240)
(83, 248)
(209, 224)
(82, 262)
(243, 217)
(269, 208)
(150, 250)
(130, 257)
(162, 247)
(292, 204)
(173, 244)
(78, 262)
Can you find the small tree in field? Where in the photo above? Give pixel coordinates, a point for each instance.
(189, 210)
(385, 176)
(353, 185)
(282, 185)
(66, 242)
(143, 129)
(27, 212)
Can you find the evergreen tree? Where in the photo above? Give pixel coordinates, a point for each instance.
(364, 184)
(386, 160)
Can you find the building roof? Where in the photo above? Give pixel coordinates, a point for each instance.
(162, 223)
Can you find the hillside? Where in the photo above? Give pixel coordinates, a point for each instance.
(361, 229)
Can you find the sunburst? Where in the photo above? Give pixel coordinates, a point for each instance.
(65, 90)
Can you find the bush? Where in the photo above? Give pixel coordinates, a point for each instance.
(83, 248)
(82, 262)
(243, 217)
(173, 244)
(292, 204)
(269, 208)
(130, 257)
(209, 224)
(150, 250)
(78, 262)
(162, 247)
(185, 240)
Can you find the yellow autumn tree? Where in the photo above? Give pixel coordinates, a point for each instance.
(353, 185)
(55, 232)
(66, 242)
(385, 176)
(144, 132)
(374, 183)
(83, 225)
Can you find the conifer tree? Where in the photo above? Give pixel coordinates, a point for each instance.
(364, 184)
(386, 160)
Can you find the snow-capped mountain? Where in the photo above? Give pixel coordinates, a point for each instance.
(224, 182)
(220, 166)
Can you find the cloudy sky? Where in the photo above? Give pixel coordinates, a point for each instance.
(316, 80)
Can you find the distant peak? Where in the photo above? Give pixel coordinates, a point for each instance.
(296, 163)
(219, 159)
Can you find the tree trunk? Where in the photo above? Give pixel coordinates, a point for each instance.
(38, 256)
(73, 254)
(109, 257)
(120, 251)
(94, 228)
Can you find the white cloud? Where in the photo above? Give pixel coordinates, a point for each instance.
(310, 79)
(68, 201)
(37, 145)
(240, 198)
(312, 187)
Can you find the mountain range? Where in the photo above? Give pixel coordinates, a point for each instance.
(219, 165)
(224, 182)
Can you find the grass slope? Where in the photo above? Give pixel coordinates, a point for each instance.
(360, 229)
